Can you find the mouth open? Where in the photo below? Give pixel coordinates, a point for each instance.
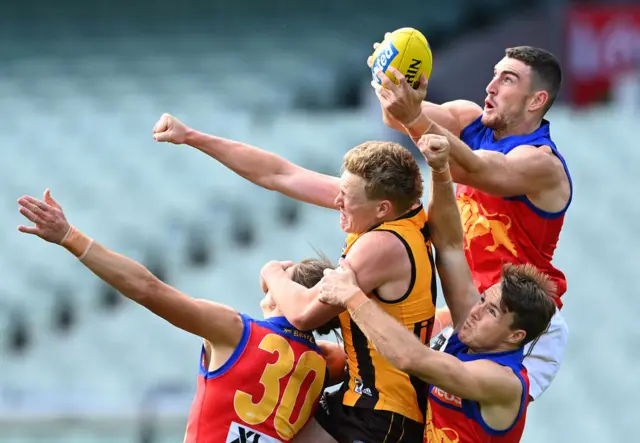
(488, 104)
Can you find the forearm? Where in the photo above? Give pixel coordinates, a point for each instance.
(400, 347)
(251, 163)
(444, 215)
(391, 339)
(127, 276)
(463, 159)
(292, 299)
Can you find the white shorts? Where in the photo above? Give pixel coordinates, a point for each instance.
(543, 356)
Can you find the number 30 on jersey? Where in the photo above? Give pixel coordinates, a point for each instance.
(257, 413)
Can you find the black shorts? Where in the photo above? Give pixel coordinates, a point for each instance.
(347, 424)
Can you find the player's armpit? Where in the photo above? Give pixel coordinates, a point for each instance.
(480, 380)
(525, 170)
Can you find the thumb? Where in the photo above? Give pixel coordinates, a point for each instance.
(50, 200)
(344, 264)
(162, 136)
(422, 85)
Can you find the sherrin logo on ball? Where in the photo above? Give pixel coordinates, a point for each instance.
(407, 50)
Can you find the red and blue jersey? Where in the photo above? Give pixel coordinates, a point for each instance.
(500, 230)
(451, 419)
(265, 392)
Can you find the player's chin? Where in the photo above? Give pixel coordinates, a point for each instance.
(490, 119)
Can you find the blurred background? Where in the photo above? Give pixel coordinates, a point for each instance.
(81, 86)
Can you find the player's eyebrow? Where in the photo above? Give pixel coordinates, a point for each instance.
(515, 74)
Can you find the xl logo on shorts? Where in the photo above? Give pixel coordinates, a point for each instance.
(383, 60)
(244, 434)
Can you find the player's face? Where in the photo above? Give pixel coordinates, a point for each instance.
(268, 304)
(357, 212)
(508, 94)
(488, 327)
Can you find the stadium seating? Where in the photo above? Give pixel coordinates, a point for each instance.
(79, 122)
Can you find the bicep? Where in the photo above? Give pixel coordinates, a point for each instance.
(525, 170)
(378, 257)
(454, 115)
(212, 321)
(307, 186)
(459, 291)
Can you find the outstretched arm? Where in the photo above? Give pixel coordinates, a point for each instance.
(212, 321)
(261, 167)
(479, 380)
(524, 170)
(446, 231)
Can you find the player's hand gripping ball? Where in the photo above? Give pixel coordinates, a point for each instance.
(407, 50)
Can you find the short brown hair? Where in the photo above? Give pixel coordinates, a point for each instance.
(390, 171)
(529, 295)
(308, 273)
(547, 73)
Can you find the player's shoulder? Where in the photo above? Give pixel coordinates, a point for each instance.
(382, 244)
(465, 111)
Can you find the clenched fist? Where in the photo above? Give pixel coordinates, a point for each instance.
(170, 129)
(435, 148)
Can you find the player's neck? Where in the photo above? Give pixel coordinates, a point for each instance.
(504, 347)
(521, 128)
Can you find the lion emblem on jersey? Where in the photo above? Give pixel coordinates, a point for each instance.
(476, 222)
(433, 434)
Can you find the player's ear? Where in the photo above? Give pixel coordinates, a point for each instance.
(538, 101)
(384, 208)
(517, 336)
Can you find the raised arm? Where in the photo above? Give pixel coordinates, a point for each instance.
(217, 323)
(261, 167)
(525, 170)
(377, 257)
(482, 381)
(446, 231)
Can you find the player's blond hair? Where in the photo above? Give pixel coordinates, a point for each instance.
(390, 171)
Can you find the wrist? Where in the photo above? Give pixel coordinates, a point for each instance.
(412, 122)
(356, 300)
(76, 242)
(442, 175)
(192, 137)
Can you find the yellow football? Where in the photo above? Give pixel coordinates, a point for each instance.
(407, 50)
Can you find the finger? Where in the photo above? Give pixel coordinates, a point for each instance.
(35, 210)
(286, 264)
(370, 61)
(39, 203)
(397, 74)
(375, 45)
(386, 81)
(162, 124)
(50, 200)
(33, 230)
(29, 215)
(161, 137)
(387, 35)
